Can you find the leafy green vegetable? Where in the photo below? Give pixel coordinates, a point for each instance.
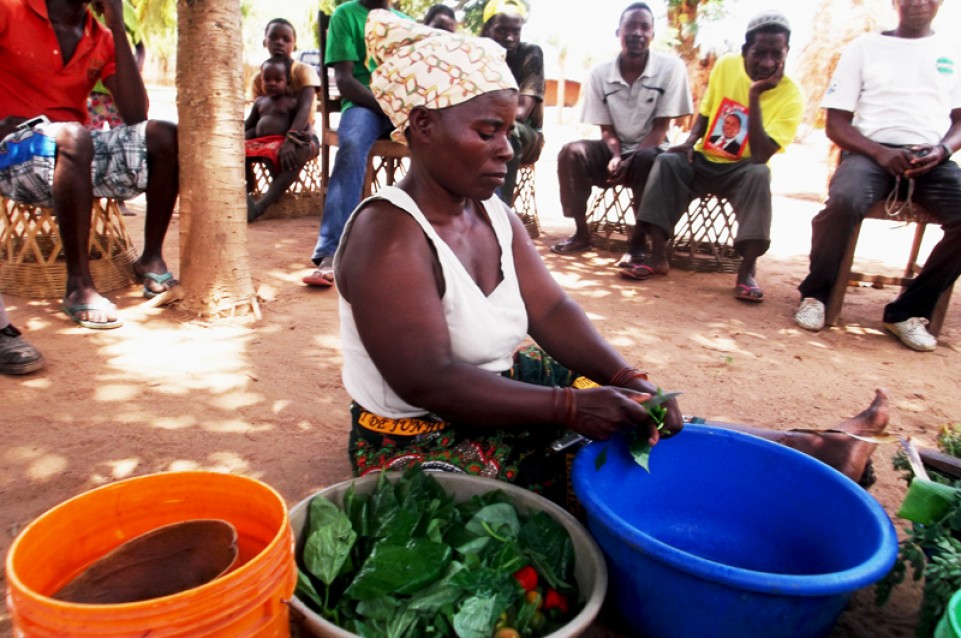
(931, 550)
(405, 561)
(640, 447)
(328, 546)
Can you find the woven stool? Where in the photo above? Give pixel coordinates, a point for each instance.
(607, 217)
(704, 237)
(524, 201)
(303, 198)
(31, 255)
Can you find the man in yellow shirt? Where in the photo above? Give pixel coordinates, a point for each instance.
(752, 87)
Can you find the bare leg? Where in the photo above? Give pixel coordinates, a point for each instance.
(163, 185)
(844, 453)
(657, 262)
(278, 186)
(72, 201)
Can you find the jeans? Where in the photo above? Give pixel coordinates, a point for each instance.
(856, 185)
(358, 130)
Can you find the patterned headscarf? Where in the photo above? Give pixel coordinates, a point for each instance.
(421, 66)
(510, 7)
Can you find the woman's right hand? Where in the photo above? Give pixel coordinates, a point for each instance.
(602, 412)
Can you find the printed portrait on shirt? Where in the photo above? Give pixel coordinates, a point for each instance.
(728, 132)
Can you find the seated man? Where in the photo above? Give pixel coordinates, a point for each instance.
(16, 355)
(633, 99)
(51, 55)
(300, 144)
(503, 21)
(894, 108)
(753, 86)
(362, 122)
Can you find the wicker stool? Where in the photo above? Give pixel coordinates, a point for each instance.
(607, 217)
(303, 197)
(31, 255)
(704, 238)
(524, 201)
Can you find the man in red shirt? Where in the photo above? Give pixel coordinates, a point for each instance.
(52, 52)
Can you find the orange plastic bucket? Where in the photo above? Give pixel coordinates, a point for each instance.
(250, 600)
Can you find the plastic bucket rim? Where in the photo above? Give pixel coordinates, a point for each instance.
(236, 574)
(593, 603)
(810, 585)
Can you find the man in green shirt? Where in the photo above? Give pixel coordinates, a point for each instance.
(362, 123)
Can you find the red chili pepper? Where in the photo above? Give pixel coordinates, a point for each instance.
(527, 577)
(555, 600)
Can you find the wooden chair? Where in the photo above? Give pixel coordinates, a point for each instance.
(908, 213)
(31, 253)
(388, 159)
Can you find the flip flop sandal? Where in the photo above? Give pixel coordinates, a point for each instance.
(323, 275)
(749, 293)
(639, 272)
(165, 280)
(569, 246)
(74, 313)
(319, 279)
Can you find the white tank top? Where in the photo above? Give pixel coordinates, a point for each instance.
(484, 330)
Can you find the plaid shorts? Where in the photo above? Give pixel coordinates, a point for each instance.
(119, 167)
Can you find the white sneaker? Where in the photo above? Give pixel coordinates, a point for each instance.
(810, 314)
(913, 334)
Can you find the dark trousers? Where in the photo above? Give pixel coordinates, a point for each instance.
(526, 142)
(857, 184)
(583, 164)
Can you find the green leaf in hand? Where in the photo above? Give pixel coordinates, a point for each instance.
(656, 409)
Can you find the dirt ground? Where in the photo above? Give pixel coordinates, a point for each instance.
(264, 398)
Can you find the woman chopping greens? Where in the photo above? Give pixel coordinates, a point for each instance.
(439, 285)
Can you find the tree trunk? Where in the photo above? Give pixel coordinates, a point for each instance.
(213, 224)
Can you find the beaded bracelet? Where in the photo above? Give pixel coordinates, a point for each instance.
(564, 409)
(624, 375)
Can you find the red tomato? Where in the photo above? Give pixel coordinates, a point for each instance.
(555, 600)
(527, 577)
(507, 632)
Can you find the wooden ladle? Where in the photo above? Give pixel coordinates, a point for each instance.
(161, 562)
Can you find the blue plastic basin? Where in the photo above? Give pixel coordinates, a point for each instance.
(730, 535)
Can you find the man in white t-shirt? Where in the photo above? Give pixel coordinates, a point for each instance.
(894, 108)
(633, 99)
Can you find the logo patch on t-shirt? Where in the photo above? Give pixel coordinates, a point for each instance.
(945, 66)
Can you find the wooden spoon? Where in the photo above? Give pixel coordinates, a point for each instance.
(161, 562)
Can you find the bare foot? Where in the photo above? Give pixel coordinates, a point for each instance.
(838, 446)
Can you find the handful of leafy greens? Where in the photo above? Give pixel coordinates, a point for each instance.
(405, 561)
(639, 447)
